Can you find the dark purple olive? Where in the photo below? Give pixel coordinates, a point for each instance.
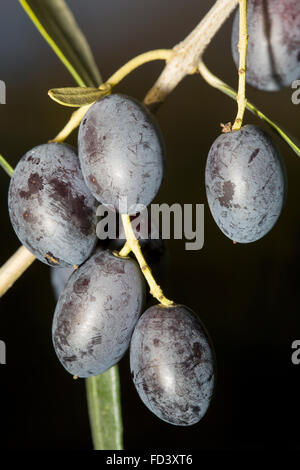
(121, 153)
(51, 209)
(246, 183)
(96, 313)
(173, 364)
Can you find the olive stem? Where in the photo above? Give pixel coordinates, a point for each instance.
(74, 121)
(150, 56)
(120, 74)
(6, 166)
(215, 82)
(242, 46)
(125, 250)
(135, 247)
(14, 268)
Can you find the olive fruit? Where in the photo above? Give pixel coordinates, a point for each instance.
(246, 183)
(52, 211)
(121, 153)
(273, 57)
(173, 364)
(96, 313)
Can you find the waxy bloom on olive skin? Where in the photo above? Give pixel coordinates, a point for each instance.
(246, 183)
(121, 152)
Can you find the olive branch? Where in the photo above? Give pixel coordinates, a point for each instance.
(57, 25)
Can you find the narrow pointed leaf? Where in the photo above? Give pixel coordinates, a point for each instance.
(77, 96)
(104, 406)
(56, 23)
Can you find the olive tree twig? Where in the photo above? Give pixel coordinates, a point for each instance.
(14, 267)
(186, 54)
(182, 61)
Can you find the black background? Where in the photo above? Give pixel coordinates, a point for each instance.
(247, 295)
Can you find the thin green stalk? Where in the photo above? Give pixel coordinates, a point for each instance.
(243, 42)
(104, 405)
(6, 166)
(215, 82)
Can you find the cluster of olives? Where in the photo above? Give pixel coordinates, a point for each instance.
(101, 295)
(52, 204)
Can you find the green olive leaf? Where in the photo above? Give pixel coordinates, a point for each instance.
(76, 97)
(57, 25)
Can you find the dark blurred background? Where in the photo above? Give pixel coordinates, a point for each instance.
(247, 295)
